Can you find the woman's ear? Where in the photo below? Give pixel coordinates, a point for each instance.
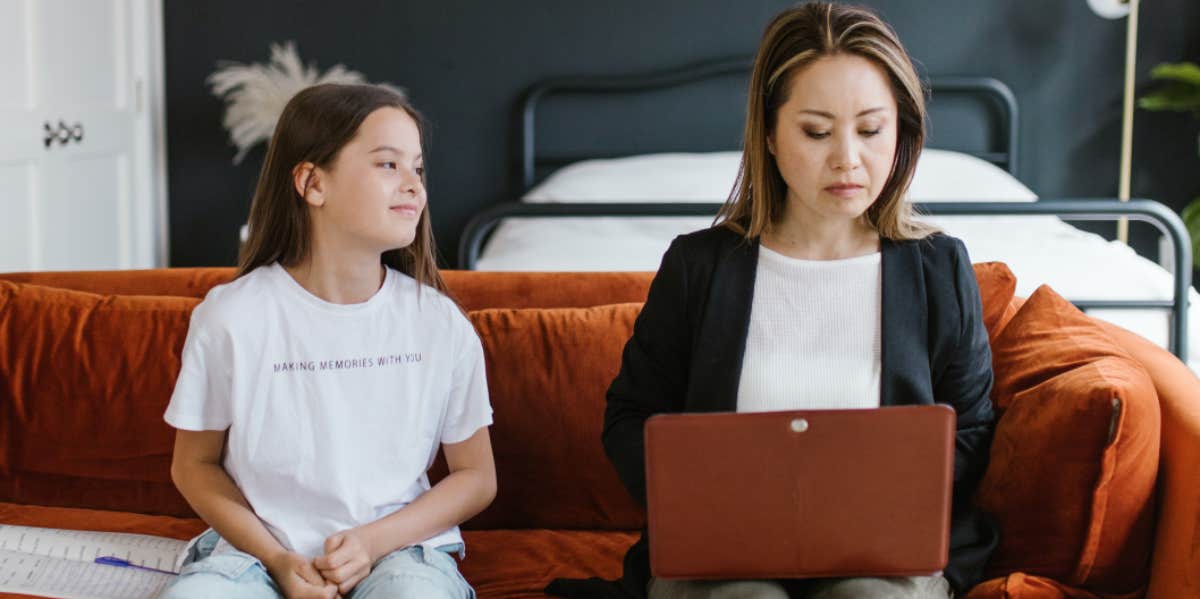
(771, 143)
(306, 180)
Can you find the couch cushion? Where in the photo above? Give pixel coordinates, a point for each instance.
(474, 290)
(483, 290)
(520, 563)
(548, 372)
(996, 287)
(499, 564)
(182, 282)
(1176, 558)
(85, 381)
(1021, 586)
(1075, 454)
(100, 520)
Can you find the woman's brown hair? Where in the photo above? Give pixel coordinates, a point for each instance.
(793, 40)
(315, 125)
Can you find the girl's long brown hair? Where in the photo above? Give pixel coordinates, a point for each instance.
(315, 125)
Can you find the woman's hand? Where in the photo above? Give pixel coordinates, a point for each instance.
(346, 561)
(298, 578)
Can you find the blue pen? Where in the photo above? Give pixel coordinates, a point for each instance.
(122, 563)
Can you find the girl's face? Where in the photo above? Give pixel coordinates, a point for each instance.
(373, 194)
(834, 139)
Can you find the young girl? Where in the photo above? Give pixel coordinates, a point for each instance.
(317, 386)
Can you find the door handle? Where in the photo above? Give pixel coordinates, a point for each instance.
(63, 134)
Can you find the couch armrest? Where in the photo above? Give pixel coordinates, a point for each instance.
(1175, 570)
(1175, 565)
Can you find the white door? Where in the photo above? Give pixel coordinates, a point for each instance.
(80, 166)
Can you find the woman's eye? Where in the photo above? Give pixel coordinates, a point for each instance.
(388, 165)
(421, 171)
(817, 134)
(869, 133)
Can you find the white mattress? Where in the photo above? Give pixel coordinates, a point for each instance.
(1039, 250)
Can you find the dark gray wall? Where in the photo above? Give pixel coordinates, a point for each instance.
(465, 62)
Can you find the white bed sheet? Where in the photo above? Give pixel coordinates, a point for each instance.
(1039, 249)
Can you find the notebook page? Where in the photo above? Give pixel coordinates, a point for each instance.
(70, 579)
(159, 553)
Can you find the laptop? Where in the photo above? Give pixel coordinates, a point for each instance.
(801, 494)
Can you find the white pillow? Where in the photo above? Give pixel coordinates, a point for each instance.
(708, 177)
(945, 176)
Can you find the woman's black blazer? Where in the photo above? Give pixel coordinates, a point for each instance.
(685, 355)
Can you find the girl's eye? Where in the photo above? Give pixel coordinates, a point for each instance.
(871, 133)
(388, 165)
(421, 171)
(817, 134)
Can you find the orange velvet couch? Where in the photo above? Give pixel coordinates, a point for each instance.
(88, 360)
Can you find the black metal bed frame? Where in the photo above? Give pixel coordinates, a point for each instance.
(991, 90)
(985, 88)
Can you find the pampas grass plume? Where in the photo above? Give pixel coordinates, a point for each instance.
(256, 93)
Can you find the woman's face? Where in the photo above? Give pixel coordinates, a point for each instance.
(374, 193)
(834, 139)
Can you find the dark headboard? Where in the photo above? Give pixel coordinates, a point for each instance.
(568, 119)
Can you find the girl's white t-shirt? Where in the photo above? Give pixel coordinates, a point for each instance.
(333, 412)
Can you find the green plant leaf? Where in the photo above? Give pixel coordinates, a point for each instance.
(1182, 72)
(1191, 220)
(1174, 96)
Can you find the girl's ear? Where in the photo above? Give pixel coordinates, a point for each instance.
(307, 181)
(771, 143)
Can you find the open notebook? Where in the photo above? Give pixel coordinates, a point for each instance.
(51, 562)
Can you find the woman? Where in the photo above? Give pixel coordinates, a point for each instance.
(817, 289)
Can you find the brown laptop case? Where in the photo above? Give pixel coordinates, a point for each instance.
(819, 493)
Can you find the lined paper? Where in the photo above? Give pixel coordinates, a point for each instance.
(59, 563)
(159, 553)
(69, 579)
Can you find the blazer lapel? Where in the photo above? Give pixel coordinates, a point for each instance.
(716, 367)
(904, 326)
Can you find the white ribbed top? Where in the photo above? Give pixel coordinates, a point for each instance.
(814, 335)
